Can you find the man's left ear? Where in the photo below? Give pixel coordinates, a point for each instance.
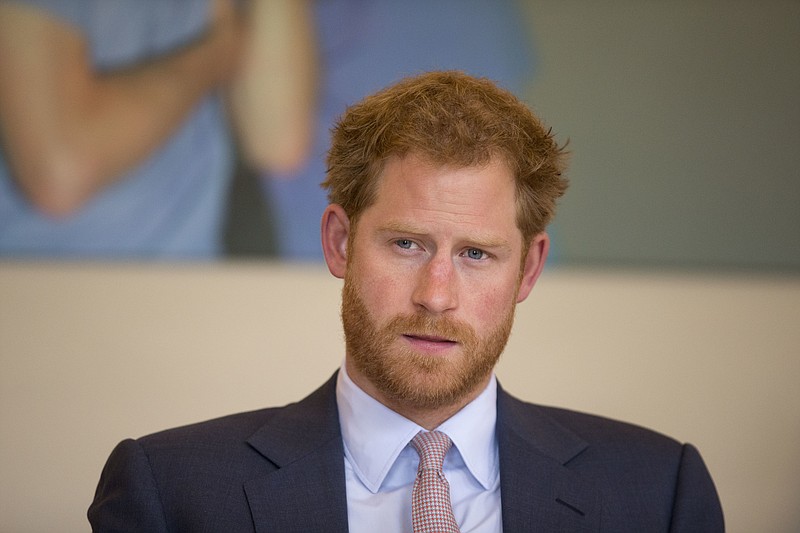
(534, 264)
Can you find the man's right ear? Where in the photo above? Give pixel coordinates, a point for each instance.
(335, 230)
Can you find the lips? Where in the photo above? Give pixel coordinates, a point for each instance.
(430, 344)
(429, 338)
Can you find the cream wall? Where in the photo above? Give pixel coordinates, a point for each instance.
(90, 354)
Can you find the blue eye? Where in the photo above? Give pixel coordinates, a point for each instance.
(404, 243)
(474, 253)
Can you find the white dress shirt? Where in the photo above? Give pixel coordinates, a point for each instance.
(380, 465)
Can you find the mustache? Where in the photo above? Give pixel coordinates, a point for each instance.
(426, 325)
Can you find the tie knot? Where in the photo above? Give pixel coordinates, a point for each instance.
(431, 446)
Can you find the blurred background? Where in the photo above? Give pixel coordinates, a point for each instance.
(159, 208)
(683, 120)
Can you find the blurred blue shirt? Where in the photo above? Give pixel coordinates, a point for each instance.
(366, 45)
(169, 206)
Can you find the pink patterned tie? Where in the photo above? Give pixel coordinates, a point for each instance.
(431, 509)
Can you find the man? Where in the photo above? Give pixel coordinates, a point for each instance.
(368, 45)
(441, 188)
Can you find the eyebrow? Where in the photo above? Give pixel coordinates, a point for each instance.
(479, 241)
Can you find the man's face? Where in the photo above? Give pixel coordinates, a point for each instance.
(432, 278)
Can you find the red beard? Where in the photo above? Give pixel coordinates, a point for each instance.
(410, 378)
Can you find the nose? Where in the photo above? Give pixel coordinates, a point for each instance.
(436, 286)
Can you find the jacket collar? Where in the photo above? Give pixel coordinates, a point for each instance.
(307, 491)
(539, 493)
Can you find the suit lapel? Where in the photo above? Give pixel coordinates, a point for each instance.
(307, 491)
(538, 492)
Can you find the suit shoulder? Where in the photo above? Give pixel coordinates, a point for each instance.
(594, 428)
(551, 427)
(234, 430)
(229, 428)
(643, 475)
(317, 407)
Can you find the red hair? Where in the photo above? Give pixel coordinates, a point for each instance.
(449, 119)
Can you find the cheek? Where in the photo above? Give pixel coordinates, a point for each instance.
(384, 292)
(489, 306)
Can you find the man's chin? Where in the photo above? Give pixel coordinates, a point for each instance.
(430, 384)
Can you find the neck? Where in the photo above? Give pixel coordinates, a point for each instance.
(430, 419)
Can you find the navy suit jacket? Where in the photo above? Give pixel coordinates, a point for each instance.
(282, 470)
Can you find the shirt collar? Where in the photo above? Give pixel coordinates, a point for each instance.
(374, 435)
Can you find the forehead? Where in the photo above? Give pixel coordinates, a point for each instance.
(413, 191)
